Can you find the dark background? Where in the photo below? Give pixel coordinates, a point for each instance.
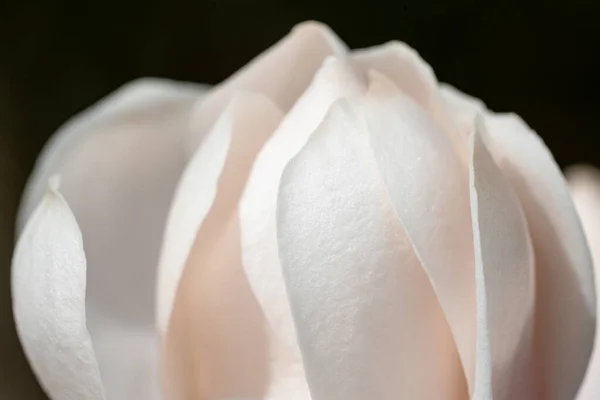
(537, 58)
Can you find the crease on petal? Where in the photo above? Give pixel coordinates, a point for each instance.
(48, 293)
(565, 296)
(368, 323)
(281, 72)
(217, 344)
(505, 286)
(258, 204)
(584, 182)
(233, 142)
(428, 187)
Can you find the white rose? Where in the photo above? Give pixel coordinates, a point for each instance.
(343, 228)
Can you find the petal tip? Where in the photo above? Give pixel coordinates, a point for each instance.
(54, 183)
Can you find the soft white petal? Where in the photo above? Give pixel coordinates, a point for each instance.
(504, 272)
(48, 293)
(368, 322)
(585, 189)
(119, 164)
(281, 73)
(259, 202)
(565, 297)
(217, 343)
(235, 139)
(428, 188)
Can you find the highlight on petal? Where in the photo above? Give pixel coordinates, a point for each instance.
(565, 297)
(258, 205)
(505, 286)
(119, 163)
(368, 322)
(232, 144)
(48, 293)
(428, 188)
(584, 182)
(281, 73)
(217, 344)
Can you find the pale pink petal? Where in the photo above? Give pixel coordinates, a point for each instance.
(368, 322)
(48, 293)
(119, 164)
(234, 141)
(259, 202)
(281, 73)
(565, 298)
(585, 189)
(217, 342)
(428, 188)
(217, 345)
(504, 274)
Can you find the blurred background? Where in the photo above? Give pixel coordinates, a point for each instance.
(539, 58)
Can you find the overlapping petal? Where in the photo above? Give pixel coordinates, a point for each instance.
(48, 292)
(119, 163)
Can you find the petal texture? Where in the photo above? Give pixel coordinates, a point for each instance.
(565, 297)
(368, 323)
(119, 164)
(48, 292)
(504, 271)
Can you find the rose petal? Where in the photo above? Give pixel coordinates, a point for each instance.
(368, 323)
(504, 273)
(48, 293)
(119, 168)
(565, 298)
(428, 189)
(585, 189)
(234, 142)
(281, 73)
(259, 202)
(216, 344)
